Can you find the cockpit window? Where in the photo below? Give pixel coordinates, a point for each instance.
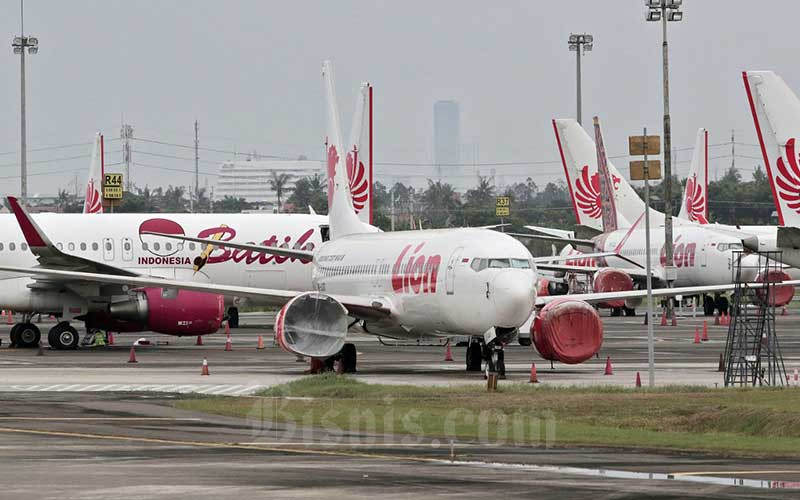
(724, 247)
(479, 264)
(498, 263)
(521, 263)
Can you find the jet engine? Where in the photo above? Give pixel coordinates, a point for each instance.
(172, 312)
(312, 324)
(567, 330)
(546, 287)
(612, 280)
(779, 295)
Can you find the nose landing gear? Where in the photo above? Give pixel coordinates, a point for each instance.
(492, 353)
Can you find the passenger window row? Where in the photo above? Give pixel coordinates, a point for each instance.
(374, 269)
(71, 246)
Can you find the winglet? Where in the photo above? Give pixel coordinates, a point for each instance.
(33, 234)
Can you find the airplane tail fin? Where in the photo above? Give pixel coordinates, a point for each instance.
(359, 155)
(606, 187)
(776, 116)
(694, 206)
(342, 217)
(93, 204)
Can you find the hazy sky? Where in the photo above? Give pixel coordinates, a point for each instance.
(249, 71)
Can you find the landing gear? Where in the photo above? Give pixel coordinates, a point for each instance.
(233, 317)
(474, 356)
(349, 357)
(495, 359)
(629, 312)
(25, 335)
(63, 336)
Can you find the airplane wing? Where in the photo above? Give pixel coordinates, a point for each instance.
(360, 307)
(637, 274)
(560, 233)
(48, 255)
(660, 292)
(573, 241)
(556, 258)
(283, 252)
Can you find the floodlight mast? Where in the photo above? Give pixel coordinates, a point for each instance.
(579, 43)
(666, 10)
(19, 44)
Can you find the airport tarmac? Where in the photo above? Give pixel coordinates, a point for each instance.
(93, 425)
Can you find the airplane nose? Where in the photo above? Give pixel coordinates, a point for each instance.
(514, 296)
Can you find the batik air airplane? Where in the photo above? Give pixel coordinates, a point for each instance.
(406, 284)
(702, 257)
(120, 244)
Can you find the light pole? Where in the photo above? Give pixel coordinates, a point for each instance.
(576, 42)
(666, 10)
(20, 43)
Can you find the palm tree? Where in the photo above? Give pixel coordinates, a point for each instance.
(278, 184)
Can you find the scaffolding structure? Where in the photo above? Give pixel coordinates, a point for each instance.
(752, 351)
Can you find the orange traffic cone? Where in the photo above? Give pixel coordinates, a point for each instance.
(204, 370)
(704, 336)
(663, 318)
(227, 329)
(132, 357)
(716, 319)
(260, 342)
(674, 319)
(796, 379)
(638, 380)
(228, 346)
(535, 380)
(9, 317)
(696, 335)
(609, 370)
(110, 338)
(448, 353)
(199, 340)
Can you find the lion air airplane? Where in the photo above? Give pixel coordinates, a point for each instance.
(406, 284)
(121, 244)
(702, 257)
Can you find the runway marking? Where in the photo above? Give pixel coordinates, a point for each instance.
(736, 472)
(580, 471)
(215, 389)
(100, 419)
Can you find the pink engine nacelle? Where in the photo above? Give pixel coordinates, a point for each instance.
(567, 330)
(612, 280)
(779, 295)
(172, 312)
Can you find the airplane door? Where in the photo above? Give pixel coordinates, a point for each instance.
(108, 249)
(127, 249)
(450, 275)
(703, 256)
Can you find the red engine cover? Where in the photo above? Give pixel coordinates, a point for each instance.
(612, 280)
(779, 295)
(542, 288)
(567, 330)
(184, 313)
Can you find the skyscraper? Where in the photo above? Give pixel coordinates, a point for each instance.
(447, 141)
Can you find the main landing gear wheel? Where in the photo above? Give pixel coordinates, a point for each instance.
(63, 336)
(349, 358)
(28, 335)
(474, 357)
(14, 335)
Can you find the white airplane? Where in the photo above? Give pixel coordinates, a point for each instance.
(406, 284)
(120, 244)
(93, 203)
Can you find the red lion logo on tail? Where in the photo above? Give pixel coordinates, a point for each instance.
(788, 178)
(587, 192)
(93, 201)
(359, 185)
(695, 201)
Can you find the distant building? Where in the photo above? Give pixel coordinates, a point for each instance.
(446, 141)
(249, 179)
